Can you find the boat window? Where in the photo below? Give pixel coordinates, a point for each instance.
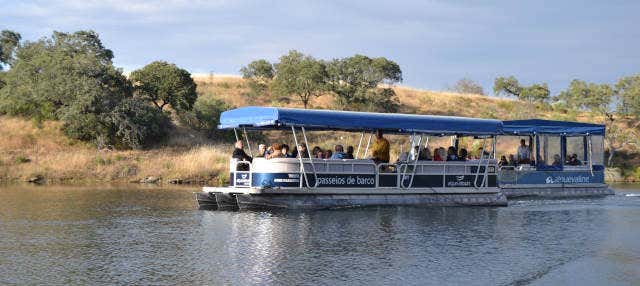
(550, 152)
(576, 145)
(597, 145)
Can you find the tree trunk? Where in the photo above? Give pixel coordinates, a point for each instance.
(611, 152)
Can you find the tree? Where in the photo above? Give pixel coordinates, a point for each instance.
(351, 79)
(137, 123)
(535, 93)
(587, 96)
(259, 74)
(70, 77)
(9, 41)
(617, 138)
(299, 75)
(165, 84)
(466, 85)
(510, 86)
(628, 89)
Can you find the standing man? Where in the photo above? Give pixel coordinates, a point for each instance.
(380, 149)
(238, 152)
(524, 153)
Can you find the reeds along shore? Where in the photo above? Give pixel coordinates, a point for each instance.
(42, 153)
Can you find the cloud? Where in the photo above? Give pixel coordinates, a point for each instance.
(436, 42)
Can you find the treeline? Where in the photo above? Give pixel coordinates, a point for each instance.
(356, 83)
(70, 77)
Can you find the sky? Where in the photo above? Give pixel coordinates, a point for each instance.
(435, 42)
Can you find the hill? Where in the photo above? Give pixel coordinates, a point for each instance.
(30, 152)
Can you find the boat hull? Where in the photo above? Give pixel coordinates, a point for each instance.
(206, 200)
(257, 200)
(546, 191)
(327, 201)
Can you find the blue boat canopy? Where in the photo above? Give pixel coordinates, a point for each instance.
(253, 117)
(540, 126)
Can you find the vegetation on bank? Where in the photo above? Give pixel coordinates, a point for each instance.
(68, 115)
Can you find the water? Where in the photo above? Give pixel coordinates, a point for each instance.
(118, 235)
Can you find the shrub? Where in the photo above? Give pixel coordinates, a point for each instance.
(20, 159)
(138, 124)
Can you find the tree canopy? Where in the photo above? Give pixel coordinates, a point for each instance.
(300, 75)
(259, 74)
(466, 85)
(352, 79)
(510, 86)
(628, 89)
(9, 41)
(70, 77)
(165, 84)
(588, 96)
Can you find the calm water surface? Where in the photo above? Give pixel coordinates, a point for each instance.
(120, 235)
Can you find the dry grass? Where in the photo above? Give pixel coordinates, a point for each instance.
(27, 151)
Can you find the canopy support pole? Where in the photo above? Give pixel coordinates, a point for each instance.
(315, 174)
(368, 143)
(244, 130)
(415, 165)
(359, 144)
(475, 181)
(590, 154)
(302, 170)
(235, 132)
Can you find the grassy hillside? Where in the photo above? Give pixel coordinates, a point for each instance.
(28, 151)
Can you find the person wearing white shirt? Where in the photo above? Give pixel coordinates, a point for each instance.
(524, 153)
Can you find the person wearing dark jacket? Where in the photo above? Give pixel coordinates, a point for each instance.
(240, 155)
(238, 152)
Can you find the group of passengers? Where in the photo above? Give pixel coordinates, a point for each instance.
(439, 154)
(524, 157)
(278, 150)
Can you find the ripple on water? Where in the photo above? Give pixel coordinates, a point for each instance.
(124, 237)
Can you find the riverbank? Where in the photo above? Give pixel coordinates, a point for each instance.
(44, 155)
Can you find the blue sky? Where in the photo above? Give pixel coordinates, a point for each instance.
(435, 42)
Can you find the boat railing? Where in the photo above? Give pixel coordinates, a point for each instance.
(403, 173)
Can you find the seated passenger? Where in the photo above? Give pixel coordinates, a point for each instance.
(317, 152)
(285, 151)
(573, 160)
(463, 155)
(503, 161)
(349, 154)
(302, 151)
(327, 154)
(262, 150)
(556, 160)
(512, 160)
(403, 157)
(277, 151)
(425, 154)
(339, 154)
(437, 154)
(451, 154)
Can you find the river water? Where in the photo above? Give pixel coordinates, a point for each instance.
(149, 236)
